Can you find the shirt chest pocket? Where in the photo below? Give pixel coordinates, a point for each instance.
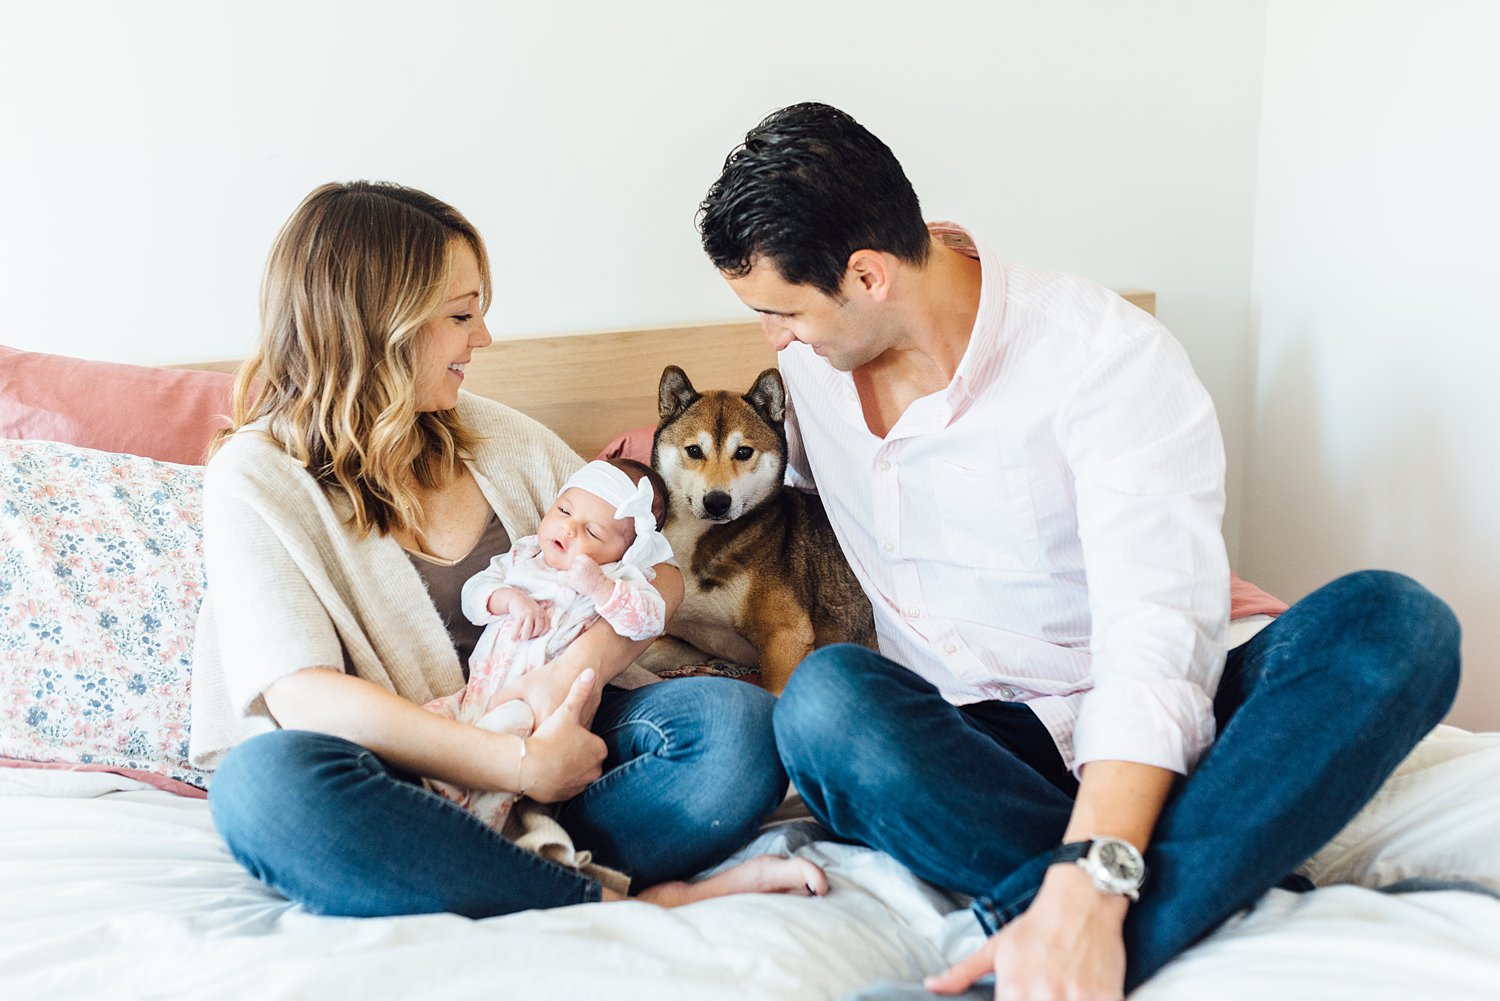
(986, 517)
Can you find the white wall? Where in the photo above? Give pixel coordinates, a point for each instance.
(1376, 410)
(152, 149)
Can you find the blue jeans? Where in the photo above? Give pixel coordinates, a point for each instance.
(1314, 713)
(691, 772)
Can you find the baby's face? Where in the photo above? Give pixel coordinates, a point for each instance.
(581, 524)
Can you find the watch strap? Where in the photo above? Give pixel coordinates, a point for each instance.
(1070, 852)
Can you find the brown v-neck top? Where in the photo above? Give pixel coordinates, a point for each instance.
(445, 583)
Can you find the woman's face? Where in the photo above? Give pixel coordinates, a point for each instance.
(450, 337)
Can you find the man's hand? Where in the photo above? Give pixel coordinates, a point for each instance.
(1068, 945)
(563, 757)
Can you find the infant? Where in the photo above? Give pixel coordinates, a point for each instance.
(591, 558)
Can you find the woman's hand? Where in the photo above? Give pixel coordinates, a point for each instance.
(562, 756)
(546, 689)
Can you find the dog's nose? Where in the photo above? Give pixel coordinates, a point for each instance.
(716, 503)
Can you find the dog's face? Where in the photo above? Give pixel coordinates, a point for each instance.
(721, 453)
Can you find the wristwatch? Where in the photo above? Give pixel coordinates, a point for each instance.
(1115, 865)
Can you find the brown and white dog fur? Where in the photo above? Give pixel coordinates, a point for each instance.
(765, 581)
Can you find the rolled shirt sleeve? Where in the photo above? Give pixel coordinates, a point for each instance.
(1141, 435)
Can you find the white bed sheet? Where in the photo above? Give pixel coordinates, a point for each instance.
(111, 890)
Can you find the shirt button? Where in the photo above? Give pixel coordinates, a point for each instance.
(950, 647)
(889, 547)
(884, 465)
(1008, 693)
(914, 612)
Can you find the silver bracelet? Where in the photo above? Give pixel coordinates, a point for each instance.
(521, 770)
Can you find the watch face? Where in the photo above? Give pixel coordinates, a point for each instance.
(1117, 866)
(1121, 861)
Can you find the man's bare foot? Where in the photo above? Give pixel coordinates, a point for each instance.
(765, 874)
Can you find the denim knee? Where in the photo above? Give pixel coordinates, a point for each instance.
(820, 686)
(836, 692)
(270, 776)
(751, 740)
(1401, 640)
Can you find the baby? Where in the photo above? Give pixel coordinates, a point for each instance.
(591, 558)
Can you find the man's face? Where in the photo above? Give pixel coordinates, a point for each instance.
(835, 328)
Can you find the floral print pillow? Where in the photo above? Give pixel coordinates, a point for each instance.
(101, 576)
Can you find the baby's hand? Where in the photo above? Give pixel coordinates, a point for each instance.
(528, 617)
(584, 576)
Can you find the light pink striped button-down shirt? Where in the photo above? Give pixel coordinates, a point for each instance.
(1046, 529)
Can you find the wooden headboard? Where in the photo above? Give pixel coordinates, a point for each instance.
(591, 387)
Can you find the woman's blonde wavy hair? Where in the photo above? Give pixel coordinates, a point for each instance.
(352, 278)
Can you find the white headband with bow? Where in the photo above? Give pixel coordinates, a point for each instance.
(632, 501)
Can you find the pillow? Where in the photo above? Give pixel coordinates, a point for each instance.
(633, 444)
(101, 576)
(166, 414)
(1435, 818)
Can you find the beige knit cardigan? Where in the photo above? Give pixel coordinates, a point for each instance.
(291, 585)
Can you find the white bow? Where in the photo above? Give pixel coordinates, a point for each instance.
(631, 500)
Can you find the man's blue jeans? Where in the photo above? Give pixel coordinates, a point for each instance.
(1314, 713)
(691, 772)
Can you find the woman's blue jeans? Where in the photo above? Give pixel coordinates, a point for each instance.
(691, 772)
(1314, 713)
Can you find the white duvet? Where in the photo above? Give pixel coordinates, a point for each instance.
(112, 890)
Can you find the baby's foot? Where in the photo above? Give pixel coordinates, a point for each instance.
(511, 716)
(765, 874)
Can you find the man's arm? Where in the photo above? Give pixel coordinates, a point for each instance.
(1140, 434)
(1072, 934)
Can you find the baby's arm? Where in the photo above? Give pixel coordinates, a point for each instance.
(486, 597)
(475, 597)
(528, 617)
(585, 577)
(632, 607)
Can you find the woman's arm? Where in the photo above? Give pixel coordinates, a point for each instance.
(600, 648)
(562, 757)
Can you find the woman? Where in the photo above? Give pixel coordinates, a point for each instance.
(355, 491)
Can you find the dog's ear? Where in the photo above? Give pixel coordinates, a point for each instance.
(675, 393)
(768, 396)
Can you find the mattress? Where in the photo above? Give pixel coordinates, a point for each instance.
(109, 888)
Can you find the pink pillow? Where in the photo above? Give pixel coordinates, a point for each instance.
(1247, 599)
(164, 414)
(633, 444)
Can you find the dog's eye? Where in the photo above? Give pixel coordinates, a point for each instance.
(694, 452)
(743, 453)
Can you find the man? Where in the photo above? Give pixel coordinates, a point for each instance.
(1028, 480)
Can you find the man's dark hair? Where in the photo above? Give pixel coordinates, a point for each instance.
(807, 188)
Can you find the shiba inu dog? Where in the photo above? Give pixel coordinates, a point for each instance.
(765, 580)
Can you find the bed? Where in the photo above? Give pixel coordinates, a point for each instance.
(114, 883)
